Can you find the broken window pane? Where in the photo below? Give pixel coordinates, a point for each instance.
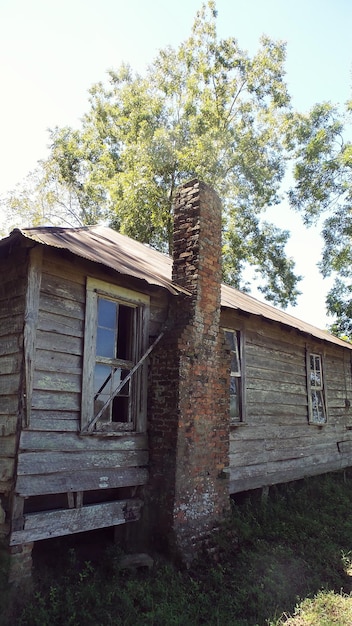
(114, 341)
(233, 342)
(318, 411)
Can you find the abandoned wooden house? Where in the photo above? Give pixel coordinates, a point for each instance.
(131, 382)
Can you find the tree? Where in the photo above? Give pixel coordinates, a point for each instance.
(323, 191)
(206, 109)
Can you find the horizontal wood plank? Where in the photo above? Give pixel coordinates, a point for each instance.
(57, 381)
(7, 466)
(56, 401)
(50, 321)
(49, 524)
(8, 445)
(8, 405)
(49, 361)
(59, 343)
(11, 325)
(10, 344)
(55, 421)
(10, 364)
(32, 441)
(62, 287)
(30, 463)
(85, 480)
(9, 384)
(67, 308)
(8, 424)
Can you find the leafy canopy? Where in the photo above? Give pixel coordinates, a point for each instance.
(323, 191)
(206, 109)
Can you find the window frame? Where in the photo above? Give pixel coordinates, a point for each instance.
(140, 302)
(240, 374)
(318, 389)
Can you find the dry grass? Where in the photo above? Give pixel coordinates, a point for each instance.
(326, 609)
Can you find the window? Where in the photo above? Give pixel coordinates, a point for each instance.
(115, 340)
(233, 339)
(316, 396)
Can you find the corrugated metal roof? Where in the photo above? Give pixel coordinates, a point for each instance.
(234, 299)
(126, 256)
(104, 245)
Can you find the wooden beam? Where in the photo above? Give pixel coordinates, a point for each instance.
(69, 521)
(85, 480)
(30, 323)
(45, 441)
(37, 463)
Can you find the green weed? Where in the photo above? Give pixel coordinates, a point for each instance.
(270, 555)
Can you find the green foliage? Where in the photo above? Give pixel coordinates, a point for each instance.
(206, 109)
(326, 609)
(269, 555)
(324, 190)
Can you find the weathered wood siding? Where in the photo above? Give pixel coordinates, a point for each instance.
(54, 458)
(13, 283)
(276, 443)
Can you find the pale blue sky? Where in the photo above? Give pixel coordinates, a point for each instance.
(51, 51)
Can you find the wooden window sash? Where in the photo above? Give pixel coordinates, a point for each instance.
(239, 352)
(127, 297)
(318, 389)
(122, 384)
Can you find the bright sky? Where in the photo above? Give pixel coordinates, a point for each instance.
(52, 51)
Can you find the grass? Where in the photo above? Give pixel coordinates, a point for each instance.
(283, 561)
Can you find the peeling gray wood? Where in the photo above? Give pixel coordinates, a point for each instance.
(59, 266)
(8, 424)
(7, 445)
(90, 335)
(30, 323)
(9, 384)
(345, 447)
(9, 345)
(30, 463)
(56, 401)
(47, 360)
(6, 468)
(10, 364)
(240, 482)
(85, 480)
(32, 441)
(59, 343)
(57, 381)
(67, 308)
(9, 405)
(69, 521)
(277, 444)
(55, 421)
(70, 500)
(11, 325)
(62, 287)
(50, 321)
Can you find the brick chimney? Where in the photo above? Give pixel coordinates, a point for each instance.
(190, 397)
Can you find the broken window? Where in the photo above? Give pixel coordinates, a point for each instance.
(115, 339)
(233, 339)
(317, 404)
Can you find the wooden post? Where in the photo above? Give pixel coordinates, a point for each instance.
(30, 323)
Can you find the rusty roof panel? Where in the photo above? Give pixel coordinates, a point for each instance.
(126, 256)
(234, 299)
(108, 247)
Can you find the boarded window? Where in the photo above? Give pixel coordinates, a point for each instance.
(316, 390)
(115, 338)
(233, 340)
